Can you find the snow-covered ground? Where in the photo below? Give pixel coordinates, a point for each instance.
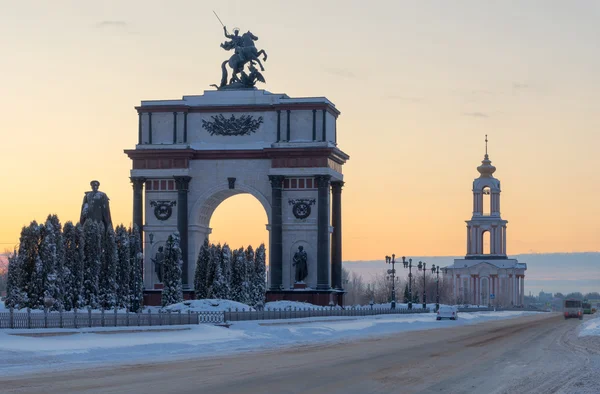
(94, 346)
(208, 305)
(591, 327)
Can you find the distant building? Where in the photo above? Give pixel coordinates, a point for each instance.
(486, 276)
(545, 297)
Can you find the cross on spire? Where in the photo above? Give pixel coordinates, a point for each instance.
(486, 141)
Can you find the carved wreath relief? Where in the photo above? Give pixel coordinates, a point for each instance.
(301, 207)
(163, 209)
(220, 125)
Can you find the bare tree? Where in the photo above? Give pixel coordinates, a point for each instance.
(356, 289)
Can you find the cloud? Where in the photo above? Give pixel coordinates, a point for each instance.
(340, 72)
(111, 24)
(476, 114)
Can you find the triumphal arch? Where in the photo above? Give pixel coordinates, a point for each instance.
(195, 152)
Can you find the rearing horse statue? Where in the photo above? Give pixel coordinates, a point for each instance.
(245, 52)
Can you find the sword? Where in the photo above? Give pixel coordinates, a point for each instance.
(218, 18)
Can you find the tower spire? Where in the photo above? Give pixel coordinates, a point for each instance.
(486, 141)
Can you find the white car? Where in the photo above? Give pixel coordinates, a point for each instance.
(447, 312)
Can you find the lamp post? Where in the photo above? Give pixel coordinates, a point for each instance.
(408, 264)
(392, 272)
(436, 270)
(421, 266)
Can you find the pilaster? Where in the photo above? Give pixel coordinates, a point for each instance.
(138, 204)
(323, 282)
(182, 185)
(336, 239)
(276, 253)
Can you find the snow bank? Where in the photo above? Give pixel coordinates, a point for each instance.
(208, 305)
(591, 327)
(290, 305)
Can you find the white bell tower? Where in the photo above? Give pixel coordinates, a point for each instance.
(486, 276)
(486, 222)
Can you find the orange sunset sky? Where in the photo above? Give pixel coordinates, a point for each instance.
(419, 84)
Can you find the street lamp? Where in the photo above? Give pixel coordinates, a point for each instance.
(392, 261)
(421, 266)
(436, 270)
(408, 264)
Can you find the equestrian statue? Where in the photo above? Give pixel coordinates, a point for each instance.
(245, 52)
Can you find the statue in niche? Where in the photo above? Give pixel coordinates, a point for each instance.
(300, 262)
(96, 207)
(158, 263)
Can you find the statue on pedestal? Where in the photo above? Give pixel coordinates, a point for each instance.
(158, 263)
(300, 262)
(245, 52)
(96, 207)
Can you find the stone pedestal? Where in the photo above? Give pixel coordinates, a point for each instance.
(299, 286)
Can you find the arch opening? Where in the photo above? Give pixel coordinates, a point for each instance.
(486, 242)
(487, 201)
(239, 220)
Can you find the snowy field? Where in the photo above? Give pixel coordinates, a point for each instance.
(89, 347)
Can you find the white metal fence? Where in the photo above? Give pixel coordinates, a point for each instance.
(89, 318)
(307, 312)
(114, 318)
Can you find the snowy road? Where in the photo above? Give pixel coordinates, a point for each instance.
(538, 354)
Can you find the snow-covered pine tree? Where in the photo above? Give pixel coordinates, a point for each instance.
(93, 260)
(226, 270)
(172, 292)
(30, 265)
(107, 284)
(200, 287)
(59, 262)
(406, 294)
(73, 265)
(214, 260)
(218, 286)
(124, 266)
(259, 285)
(238, 276)
(15, 296)
(249, 266)
(48, 257)
(136, 281)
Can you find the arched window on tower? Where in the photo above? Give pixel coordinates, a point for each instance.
(487, 201)
(485, 242)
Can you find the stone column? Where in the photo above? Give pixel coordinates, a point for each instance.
(323, 232)
(516, 289)
(276, 252)
(503, 239)
(336, 239)
(456, 288)
(138, 204)
(522, 289)
(182, 184)
(468, 239)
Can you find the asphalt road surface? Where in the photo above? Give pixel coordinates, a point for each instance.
(532, 354)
